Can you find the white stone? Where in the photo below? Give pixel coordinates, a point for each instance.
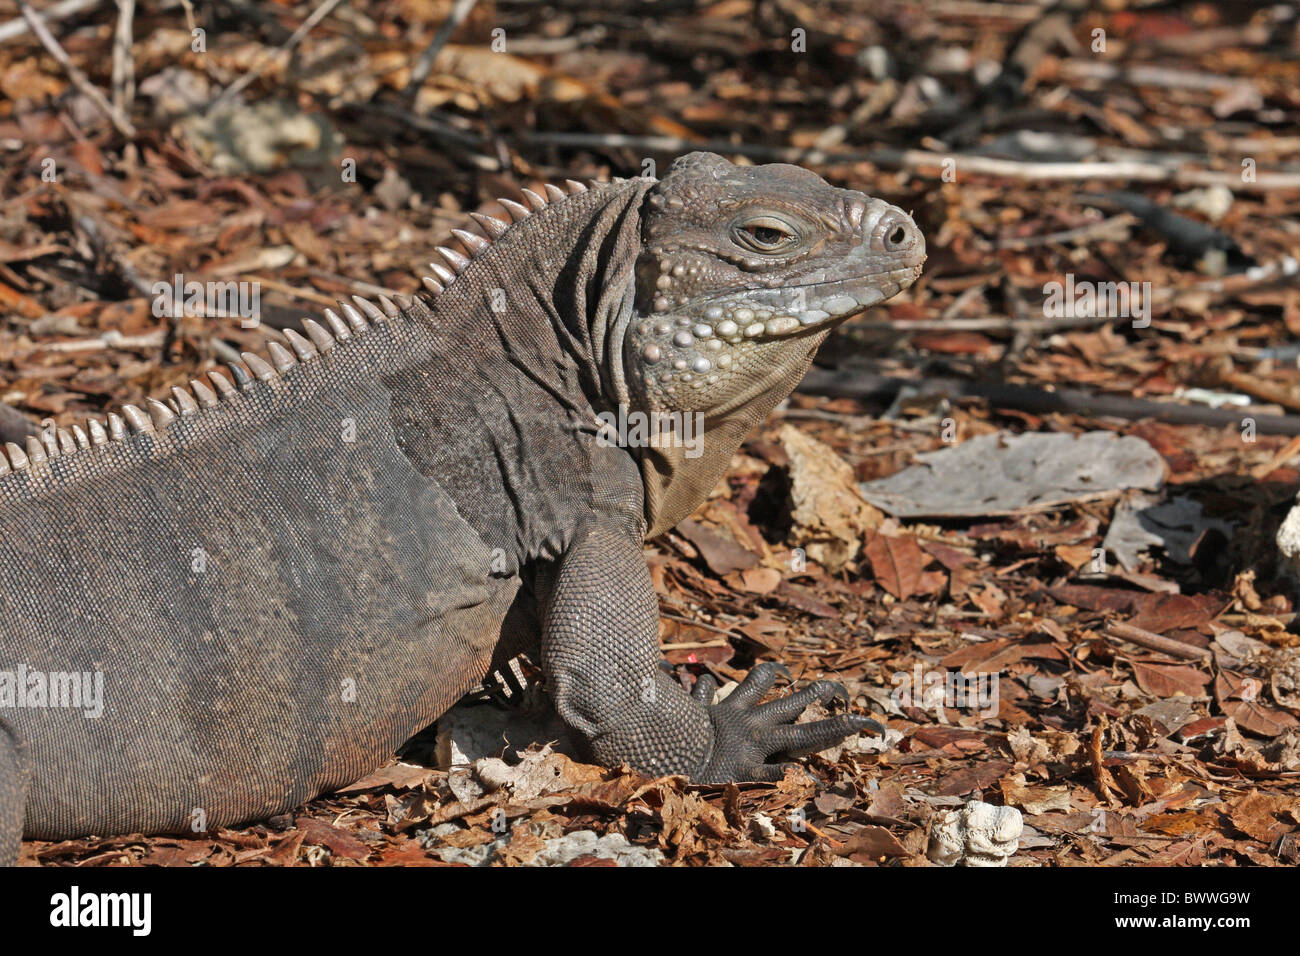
(1288, 539)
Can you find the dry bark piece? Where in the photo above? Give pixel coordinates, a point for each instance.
(829, 513)
(1003, 474)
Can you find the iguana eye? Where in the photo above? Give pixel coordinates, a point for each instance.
(764, 234)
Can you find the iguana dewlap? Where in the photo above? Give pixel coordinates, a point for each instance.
(280, 574)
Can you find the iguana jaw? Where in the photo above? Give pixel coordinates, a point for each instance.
(779, 313)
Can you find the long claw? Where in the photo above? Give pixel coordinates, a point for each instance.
(748, 733)
(866, 723)
(838, 691)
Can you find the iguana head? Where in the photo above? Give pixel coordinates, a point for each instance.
(742, 273)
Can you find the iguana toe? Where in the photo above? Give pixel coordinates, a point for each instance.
(704, 689)
(747, 733)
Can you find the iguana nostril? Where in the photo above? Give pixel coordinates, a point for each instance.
(896, 237)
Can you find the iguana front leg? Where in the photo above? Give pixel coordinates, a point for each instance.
(600, 649)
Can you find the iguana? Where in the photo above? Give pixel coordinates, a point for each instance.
(216, 608)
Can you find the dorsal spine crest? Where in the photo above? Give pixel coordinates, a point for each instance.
(200, 398)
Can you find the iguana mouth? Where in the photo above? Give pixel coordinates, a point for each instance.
(830, 302)
(763, 314)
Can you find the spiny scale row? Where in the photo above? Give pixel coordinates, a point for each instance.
(455, 262)
(158, 415)
(55, 443)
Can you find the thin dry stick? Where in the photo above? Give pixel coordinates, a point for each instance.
(60, 11)
(231, 91)
(1151, 76)
(123, 64)
(1292, 448)
(1102, 228)
(995, 323)
(917, 159)
(843, 383)
(189, 14)
(1156, 642)
(111, 339)
(357, 285)
(79, 79)
(1262, 389)
(425, 64)
(224, 352)
(310, 295)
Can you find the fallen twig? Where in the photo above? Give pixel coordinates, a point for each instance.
(111, 339)
(1040, 401)
(995, 323)
(1156, 642)
(1291, 449)
(357, 285)
(60, 11)
(79, 79)
(424, 65)
(1113, 227)
(123, 64)
(227, 353)
(916, 159)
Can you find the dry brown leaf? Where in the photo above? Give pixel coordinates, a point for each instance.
(897, 564)
(870, 844)
(1168, 680)
(1264, 816)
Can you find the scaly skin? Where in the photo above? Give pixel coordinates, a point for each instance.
(281, 575)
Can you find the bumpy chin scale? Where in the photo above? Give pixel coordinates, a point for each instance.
(683, 359)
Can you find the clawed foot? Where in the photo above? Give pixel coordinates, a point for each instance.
(746, 732)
